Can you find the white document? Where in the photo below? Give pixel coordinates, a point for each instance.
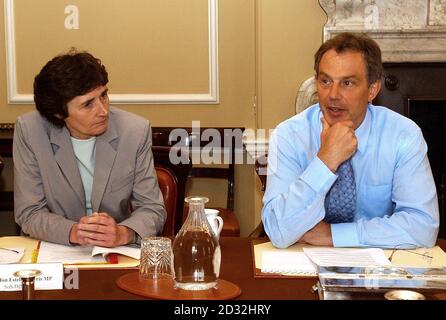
(52, 252)
(343, 257)
(11, 255)
(286, 262)
(129, 251)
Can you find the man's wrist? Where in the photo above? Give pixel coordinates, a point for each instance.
(329, 163)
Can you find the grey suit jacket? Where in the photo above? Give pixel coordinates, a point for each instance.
(48, 192)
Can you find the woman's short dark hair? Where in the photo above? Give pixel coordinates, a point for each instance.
(354, 42)
(64, 78)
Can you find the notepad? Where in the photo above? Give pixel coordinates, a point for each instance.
(347, 257)
(287, 263)
(272, 262)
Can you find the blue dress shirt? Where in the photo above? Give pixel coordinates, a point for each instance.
(396, 202)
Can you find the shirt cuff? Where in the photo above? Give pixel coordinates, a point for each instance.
(344, 235)
(318, 176)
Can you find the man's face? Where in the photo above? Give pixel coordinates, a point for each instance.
(88, 114)
(343, 88)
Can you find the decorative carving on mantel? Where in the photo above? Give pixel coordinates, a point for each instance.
(329, 7)
(406, 30)
(437, 13)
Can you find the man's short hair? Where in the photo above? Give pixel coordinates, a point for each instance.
(354, 42)
(63, 78)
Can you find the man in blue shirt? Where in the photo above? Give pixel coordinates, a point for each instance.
(394, 196)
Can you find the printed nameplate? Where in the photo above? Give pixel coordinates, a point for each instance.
(51, 277)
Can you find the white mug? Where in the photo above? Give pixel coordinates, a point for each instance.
(214, 220)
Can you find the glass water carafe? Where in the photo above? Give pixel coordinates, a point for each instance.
(196, 250)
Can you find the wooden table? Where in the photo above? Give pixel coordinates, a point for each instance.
(236, 267)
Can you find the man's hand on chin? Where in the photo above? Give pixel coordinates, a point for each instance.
(320, 235)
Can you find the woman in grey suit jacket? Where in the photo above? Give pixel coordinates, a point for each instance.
(78, 163)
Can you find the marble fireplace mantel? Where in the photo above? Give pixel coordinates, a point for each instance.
(406, 30)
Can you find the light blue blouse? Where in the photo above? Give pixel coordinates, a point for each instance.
(85, 152)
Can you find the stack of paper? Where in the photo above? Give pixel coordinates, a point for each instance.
(289, 263)
(302, 260)
(344, 257)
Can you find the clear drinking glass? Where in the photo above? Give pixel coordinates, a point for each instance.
(196, 250)
(156, 258)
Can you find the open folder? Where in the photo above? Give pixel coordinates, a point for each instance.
(272, 262)
(71, 256)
